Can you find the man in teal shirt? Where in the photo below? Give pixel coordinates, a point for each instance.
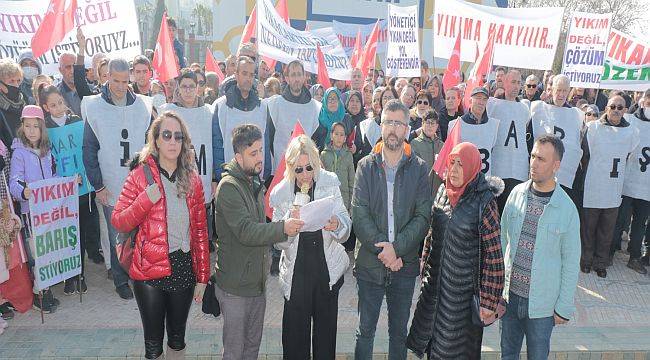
(540, 235)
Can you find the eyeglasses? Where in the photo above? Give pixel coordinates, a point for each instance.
(530, 86)
(394, 123)
(423, 102)
(300, 169)
(167, 136)
(188, 87)
(201, 83)
(590, 114)
(615, 107)
(430, 122)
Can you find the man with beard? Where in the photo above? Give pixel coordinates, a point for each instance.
(390, 224)
(242, 248)
(240, 105)
(293, 105)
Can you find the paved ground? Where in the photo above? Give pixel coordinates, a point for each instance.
(612, 322)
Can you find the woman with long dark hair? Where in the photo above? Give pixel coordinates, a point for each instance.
(171, 261)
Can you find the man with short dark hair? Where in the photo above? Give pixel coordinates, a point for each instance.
(390, 224)
(142, 72)
(179, 48)
(240, 105)
(242, 247)
(116, 123)
(293, 105)
(540, 236)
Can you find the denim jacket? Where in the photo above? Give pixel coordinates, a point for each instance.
(556, 258)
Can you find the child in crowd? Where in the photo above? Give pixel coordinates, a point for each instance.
(31, 161)
(337, 158)
(427, 145)
(65, 131)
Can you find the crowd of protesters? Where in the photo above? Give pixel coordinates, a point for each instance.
(542, 181)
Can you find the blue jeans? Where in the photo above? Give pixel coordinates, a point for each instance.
(120, 277)
(516, 324)
(399, 294)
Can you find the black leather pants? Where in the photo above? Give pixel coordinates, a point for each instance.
(155, 307)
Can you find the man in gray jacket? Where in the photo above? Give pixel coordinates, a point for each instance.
(391, 208)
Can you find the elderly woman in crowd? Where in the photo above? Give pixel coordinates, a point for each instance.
(313, 262)
(163, 197)
(463, 273)
(12, 100)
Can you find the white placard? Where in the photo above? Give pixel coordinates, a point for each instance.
(584, 53)
(279, 41)
(110, 27)
(524, 37)
(54, 216)
(402, 44)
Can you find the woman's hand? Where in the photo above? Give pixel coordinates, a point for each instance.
(199, 289)
(332, 224)
(485, 314)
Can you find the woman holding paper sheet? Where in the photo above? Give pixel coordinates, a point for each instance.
(313, 263)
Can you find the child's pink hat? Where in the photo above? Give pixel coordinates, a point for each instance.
(32, 111)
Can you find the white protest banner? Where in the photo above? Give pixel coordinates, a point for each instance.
(584, 52)
(110, 27)
(524, 37)
(627, 63)
(279, 41)
(54, 215)
(403, 47)
(347, 34)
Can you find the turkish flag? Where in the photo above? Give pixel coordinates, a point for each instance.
(453, 139)
(357, 50)
(369, 52)
(481, 68)
(164, 58)
(250, 30)
(323, 76)
(57, 22)
(279, 172)
(452, 73)
(212, 65)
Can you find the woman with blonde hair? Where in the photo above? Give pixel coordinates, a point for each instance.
(313, 263)
(163, 198)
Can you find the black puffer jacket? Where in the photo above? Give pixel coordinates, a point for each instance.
(442, 323)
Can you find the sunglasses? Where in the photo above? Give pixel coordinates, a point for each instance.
(300, 169)
(530, 86)
(423, 102)
(167, 136)
(614, 107)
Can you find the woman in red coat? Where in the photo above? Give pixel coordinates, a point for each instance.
(171, 261)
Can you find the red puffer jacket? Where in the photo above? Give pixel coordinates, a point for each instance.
(150, 253)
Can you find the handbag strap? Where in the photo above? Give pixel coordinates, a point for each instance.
(477, 287)
(147, 174)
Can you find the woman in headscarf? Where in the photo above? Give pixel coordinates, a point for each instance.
(462, 258)
(354, 107)
(331, 112)
(434, 87)
(317, 92)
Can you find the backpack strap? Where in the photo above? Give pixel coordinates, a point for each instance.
(147, 174)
